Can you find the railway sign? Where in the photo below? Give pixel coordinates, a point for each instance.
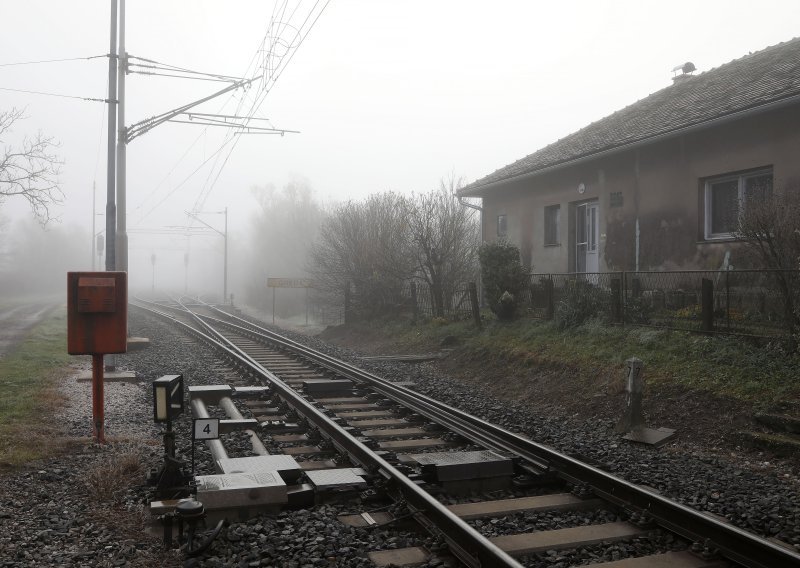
(206, 428)
(289, 283)
(203, 429)
(167, 398)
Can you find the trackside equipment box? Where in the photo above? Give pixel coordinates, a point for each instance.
(97, 312)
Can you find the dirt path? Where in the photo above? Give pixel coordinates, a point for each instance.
(16, 321)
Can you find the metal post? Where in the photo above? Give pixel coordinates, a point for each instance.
(94, 237)
(347, 303)
(121, 237)
(98, 418)
(415, 305)
(616, 305)
(551, 307)
(306, 306)
(185, 272)
(707, 306)
(225, 277)
(111, 208)
(473, 300)
(273, 306)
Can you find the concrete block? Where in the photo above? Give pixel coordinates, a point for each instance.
(231, 490)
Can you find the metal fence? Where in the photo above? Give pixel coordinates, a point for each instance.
(420, 301)
(743, 302)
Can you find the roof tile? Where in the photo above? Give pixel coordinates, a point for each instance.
(755, 79)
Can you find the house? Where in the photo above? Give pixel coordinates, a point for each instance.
(658, 184)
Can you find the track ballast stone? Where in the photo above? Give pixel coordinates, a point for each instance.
(50, 517)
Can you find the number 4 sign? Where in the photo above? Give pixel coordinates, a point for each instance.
(206, 428)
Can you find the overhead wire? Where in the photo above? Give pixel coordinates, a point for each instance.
(188, 149)
(52, 60)
(254, 103)
(300, 36)
(91, 99)
(186, 179)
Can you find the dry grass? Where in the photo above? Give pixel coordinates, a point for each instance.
(109, 479)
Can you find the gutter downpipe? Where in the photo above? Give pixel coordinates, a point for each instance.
(631, 145)
(479, 209)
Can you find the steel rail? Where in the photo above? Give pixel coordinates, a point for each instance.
(736, 544)
(471, 547)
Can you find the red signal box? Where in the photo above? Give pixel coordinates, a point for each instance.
(97, 313)
(97, 323)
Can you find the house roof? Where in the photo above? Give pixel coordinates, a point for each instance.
(752, 81)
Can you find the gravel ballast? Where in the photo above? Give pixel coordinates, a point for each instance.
(51, 514)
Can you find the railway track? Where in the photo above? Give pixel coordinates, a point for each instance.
(455, 475)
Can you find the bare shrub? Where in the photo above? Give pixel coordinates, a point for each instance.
(108, 480)
(770, 226)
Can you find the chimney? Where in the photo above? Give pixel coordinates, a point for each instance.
(686, 72)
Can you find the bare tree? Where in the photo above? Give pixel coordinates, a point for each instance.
(770, 226)
(366, 244)
(29, 170)
(285, 226)
(445, 235)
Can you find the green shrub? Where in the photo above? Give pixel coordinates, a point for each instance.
(502, 272)
(580, 302)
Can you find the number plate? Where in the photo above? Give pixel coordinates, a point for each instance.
(206, 428)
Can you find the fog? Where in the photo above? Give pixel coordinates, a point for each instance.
(385, 95)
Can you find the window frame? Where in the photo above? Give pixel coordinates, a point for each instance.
(552, 231)
(502, 223)
(740, 178)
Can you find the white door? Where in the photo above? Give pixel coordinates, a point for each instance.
(587, 235)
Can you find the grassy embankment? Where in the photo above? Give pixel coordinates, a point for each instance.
(28, 395)
(724, 366)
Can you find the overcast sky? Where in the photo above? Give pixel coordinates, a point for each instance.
(386, 94)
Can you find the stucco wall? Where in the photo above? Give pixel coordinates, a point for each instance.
(660, 185)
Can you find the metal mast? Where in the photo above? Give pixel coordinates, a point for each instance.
(111, 208)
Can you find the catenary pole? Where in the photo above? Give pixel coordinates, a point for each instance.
(121, 240)
(225, 276)
(111, 208)
(94, 216)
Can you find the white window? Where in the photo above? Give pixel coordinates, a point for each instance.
(726, 197)
(551, 219)
(502, 226)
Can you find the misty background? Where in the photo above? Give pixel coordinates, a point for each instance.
(387, 96)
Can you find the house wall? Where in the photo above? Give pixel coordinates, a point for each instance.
(659, 185)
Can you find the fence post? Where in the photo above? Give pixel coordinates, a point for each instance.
(415, 307)
(548, 288)
(624, 296)
(347, 303)
(727, 300)
(616, 304)
(707, 306)
(473, 300)
(636, 287)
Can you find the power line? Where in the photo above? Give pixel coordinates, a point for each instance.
(54, 95)
(52, 60)
(300, 35)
